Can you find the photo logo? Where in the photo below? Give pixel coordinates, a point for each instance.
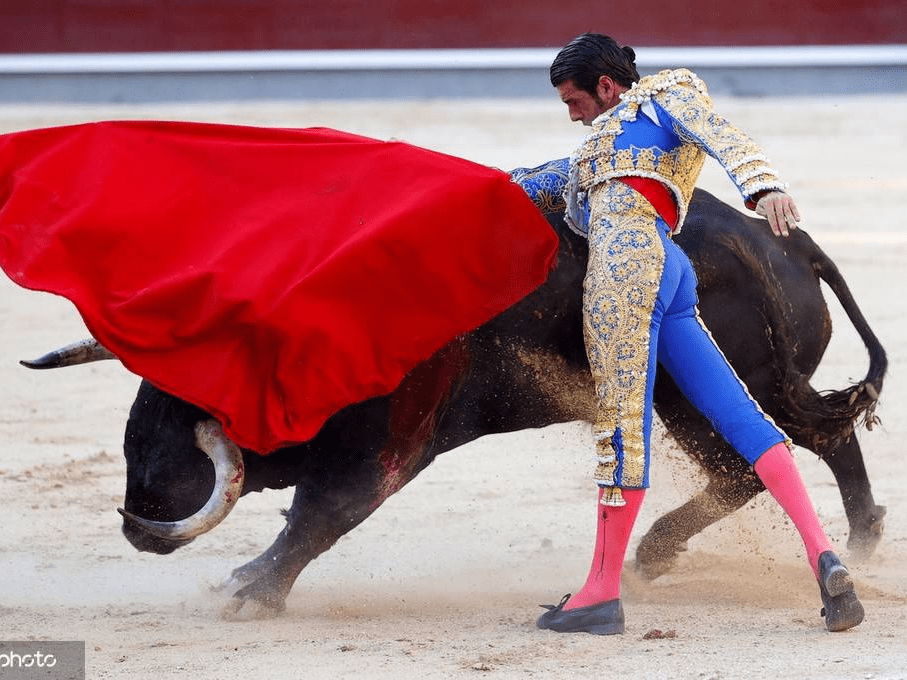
(49, 660)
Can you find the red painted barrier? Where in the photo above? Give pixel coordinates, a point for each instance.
(186, 25)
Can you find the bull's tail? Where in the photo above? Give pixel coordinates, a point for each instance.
(820, 420)
(862, 397)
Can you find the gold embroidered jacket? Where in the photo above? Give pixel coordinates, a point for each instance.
(668, 143)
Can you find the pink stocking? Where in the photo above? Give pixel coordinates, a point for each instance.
(778, 472)
(615, 524)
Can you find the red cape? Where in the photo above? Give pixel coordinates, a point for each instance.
(270, 276)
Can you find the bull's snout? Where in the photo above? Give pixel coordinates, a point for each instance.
(142, 541)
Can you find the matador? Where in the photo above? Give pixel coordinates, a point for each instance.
(627, 189)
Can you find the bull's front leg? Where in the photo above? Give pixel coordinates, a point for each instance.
(315, 522)
(356, 467)
(325, 507)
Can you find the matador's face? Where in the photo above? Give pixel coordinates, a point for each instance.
(586, 107)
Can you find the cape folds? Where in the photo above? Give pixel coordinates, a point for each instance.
(270, 276)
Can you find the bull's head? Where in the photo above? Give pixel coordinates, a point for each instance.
(183, 475)
(228, 480)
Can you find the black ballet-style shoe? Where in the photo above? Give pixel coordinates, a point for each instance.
(605, 618)
(841, 607)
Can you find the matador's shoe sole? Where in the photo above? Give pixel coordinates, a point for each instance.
(841, 606)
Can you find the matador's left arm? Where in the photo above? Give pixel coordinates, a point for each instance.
(544, 184)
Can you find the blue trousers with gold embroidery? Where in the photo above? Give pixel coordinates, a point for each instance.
(640, 310)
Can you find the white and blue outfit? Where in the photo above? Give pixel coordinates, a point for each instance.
(639, 294)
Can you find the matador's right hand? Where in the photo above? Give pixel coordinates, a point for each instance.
(780, 211)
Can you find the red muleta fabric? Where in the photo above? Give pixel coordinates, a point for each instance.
(270, 276)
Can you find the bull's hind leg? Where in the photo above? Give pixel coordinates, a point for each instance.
(865, 518)
(732, 483)
(725, 493)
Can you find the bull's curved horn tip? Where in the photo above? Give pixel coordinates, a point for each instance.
(36, 364)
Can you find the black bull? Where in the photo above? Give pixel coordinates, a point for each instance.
(527, 368)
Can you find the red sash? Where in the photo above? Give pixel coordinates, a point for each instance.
(658, 195)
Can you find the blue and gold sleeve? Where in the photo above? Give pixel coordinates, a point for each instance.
(544, 184)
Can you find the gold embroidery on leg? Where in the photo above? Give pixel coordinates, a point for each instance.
(621, 286)
(604, 472)
(612, 497)
(607, 460)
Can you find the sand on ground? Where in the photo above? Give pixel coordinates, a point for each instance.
(443, 581)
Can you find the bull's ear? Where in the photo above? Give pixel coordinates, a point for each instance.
(81, 352)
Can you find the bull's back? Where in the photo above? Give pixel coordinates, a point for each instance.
(758, 293)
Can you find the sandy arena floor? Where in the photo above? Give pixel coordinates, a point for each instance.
(443, 581)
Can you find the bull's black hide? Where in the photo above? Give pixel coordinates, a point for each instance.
(760, 297)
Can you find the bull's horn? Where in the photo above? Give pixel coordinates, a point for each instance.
(228, 482)
(82, 352)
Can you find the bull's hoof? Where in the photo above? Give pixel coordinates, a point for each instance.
(653, 560)
(863, 542)
(651, 570)
(241, 609)
(250, 601)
